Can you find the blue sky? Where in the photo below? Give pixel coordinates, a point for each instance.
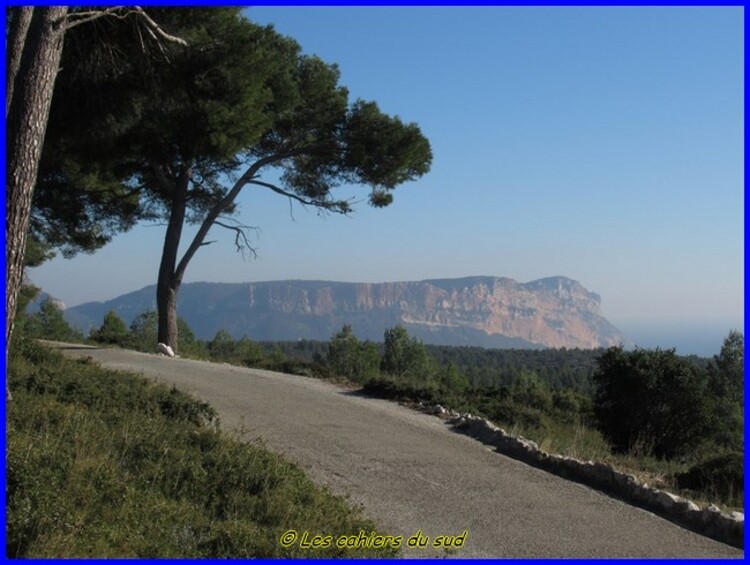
(603, 144)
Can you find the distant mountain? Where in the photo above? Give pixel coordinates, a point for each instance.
(480, 311)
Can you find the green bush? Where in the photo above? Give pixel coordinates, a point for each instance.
(726, 385)
(391, 387)
(144, 336)
(573, 407)
(529, 390)
(222, 347)
(112, 331)
(143, 332)
(453, 379)
(406, 356)
(241, 352)
(721, 476)
(652, 401)
(49, 323)
(352, 359)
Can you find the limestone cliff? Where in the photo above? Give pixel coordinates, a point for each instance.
(484, 311)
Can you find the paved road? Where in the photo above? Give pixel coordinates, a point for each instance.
(410, 472)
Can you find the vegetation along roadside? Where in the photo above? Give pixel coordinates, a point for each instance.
(104, 464)
(674, 422)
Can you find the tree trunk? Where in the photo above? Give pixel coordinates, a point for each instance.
(170, 272)
(166, 303)
(168, 283)
(19, 27)
(27, 112)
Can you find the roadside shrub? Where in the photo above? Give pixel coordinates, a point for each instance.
(350, 358)
(529, 390)
(144, 336)
(510, 413)
(652, 401)
(143, 332)
(400, 389)
(406, 356)
(49, 323)
(722, 475)
(453, 379)
(112, 331)
(243, 351)
(726, 384)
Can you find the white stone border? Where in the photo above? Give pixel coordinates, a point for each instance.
(709, 521)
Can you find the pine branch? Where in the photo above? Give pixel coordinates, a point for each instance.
(121, 12)
(336, 206)
(241, 241)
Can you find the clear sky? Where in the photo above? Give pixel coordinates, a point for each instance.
(603, 144)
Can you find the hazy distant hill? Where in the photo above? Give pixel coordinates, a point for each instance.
(482, 311)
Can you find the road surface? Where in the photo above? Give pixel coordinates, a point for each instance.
(412, 473)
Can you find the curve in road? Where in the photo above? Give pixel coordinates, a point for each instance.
(412, 473)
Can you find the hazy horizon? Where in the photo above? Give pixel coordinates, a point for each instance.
(687, 337)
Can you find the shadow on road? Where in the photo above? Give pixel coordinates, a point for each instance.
(63, 346)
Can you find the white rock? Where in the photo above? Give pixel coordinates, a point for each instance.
(165, 350)
(688, 506)
(528, 445)
(711, 513)
(666, 499)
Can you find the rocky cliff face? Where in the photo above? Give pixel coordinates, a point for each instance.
(554, 312)
(484, 311)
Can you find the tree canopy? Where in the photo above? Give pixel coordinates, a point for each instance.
(651, 401)
(406, 356)
(175, 133)
(239, 98)
(348, 357)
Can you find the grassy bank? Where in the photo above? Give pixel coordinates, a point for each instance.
(104, 464)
